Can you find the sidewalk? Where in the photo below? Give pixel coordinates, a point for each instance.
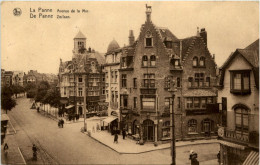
(129, 146)
(14, 156)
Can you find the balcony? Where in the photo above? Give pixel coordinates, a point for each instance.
(175, 68)
(236, 136)
(125, 110)
(114, 105)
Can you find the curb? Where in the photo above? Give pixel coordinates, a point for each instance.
(21, 155)
(144, 151)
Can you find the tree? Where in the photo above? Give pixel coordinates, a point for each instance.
(42, 89)
(16, 89)
(7, 101)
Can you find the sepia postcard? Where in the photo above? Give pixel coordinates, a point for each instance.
(130, 82)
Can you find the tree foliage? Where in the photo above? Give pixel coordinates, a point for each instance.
(7, 102)
(42, 89)
(52, 97)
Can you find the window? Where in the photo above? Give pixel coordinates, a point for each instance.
(192, 126)
(179, 102)
(199, 79)
(207, 84)
(241, 118)
(167, 82)
(135, 102)
(196, 102)
(190, 82)
(178, 82)
(107, 93)
(240, 82)
(124, 80)
(116, 96)
(80, 79)
(148, 103)
(168, 44)
(153, 60)
(124, 99)
(145, 60)
(203, 102)
(115, 76)
(148, 42)
(166, 129)
(149, 80)
(135, 83)
(103, 91)
(123, 62)
(202, 61)
(65, 91)
(189, 102)
(80, 91)
(176, 63)
(195, 61)
(167, 103)
(210, 100)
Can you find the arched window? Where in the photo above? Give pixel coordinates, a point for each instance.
(153, 60)
(241, 119)
(192, 126)
(145, 60)
(202, 61)
(195, 61)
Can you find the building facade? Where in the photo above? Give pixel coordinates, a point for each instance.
(147, 66)
(84, 73)
(17, 78)
(239, 96)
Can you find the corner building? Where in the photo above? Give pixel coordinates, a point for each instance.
(146, 67)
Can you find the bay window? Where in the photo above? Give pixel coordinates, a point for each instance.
(240, 82)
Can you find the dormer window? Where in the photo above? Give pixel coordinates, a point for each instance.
(195, 61)
(145, 60)
(177, 63)
(153, 60)
(148, 39)
(202, 61)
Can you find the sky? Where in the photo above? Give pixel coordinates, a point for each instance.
(39, 43)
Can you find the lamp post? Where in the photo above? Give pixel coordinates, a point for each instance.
(84, 104)
(172, 90)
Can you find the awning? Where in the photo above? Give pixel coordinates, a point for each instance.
(70, 106)
(233, 145)
(4, 117)
(110, 119)
(252, 159)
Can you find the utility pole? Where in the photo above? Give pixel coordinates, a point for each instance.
(84, 104)
(172, 90)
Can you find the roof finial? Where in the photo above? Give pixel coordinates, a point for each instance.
(198, 31)
(148, 12)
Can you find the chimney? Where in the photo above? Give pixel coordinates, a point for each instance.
(89, 49)
(131, 37)
(148, 13)
(203, 34)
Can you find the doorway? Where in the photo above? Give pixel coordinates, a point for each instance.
(148, 133)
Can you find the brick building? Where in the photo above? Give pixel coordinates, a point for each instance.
(239, 95)
(147, 65)
(82, 74)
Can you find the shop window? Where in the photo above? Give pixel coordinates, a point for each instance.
(240, 82)
(192, 126)
(153, 60)
(202, 61)
(195, 61)
(166, 133)
(145, 61)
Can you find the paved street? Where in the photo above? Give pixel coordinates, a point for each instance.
(70, 146)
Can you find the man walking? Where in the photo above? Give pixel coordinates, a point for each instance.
(116, 138)
(124, 133)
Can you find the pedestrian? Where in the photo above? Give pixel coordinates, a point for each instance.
(116, 138)
(62, 123)
(34, 148)
(124, 133)
(6, 149)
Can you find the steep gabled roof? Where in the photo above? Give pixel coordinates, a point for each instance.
(250, 54)
(186, 44)
(166, 34)
(80, 35)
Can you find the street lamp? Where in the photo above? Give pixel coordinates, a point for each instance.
(84, 104)
(172, 90)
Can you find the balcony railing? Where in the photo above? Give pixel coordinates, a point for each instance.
(237, 136)
(113, 105)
